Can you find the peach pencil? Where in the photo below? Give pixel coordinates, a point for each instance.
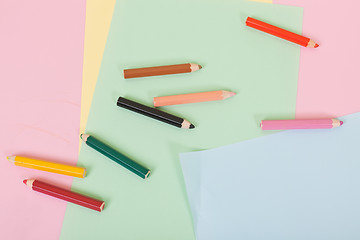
(192, 98)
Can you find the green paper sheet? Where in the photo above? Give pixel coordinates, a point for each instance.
(261, 69)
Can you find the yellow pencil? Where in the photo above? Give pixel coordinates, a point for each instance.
(48, 166)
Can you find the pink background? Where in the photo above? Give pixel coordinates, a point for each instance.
(329, 76)
(41, 53)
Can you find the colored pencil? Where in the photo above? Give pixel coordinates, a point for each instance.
(48, 166)
(115, 156)
(192, 98)
(154, 113)
(300, 124)
(65, 195)
(281, 33)
(161, 70)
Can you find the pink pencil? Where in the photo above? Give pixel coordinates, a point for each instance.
(300, 124)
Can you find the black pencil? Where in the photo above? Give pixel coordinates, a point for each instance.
(154, 113)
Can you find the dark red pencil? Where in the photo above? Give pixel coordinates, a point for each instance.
(64, 194)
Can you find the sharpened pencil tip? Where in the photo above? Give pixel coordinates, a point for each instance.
(84, 136)
(25, 181)
(200, 67)
(192, 126)
(11, 159)
(341, 123)
(316, 45)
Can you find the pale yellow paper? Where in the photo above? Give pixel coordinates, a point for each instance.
(97, 24)
(265, 1)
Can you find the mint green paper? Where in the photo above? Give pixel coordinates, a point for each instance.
(260, 68)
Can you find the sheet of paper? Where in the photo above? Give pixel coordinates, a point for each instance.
(97, 24)
(98, 19)
(261, 69)
(265, 1)
(41, 57)
(329, 75)
(289, 185)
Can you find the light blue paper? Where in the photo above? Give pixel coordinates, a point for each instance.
(298, 184)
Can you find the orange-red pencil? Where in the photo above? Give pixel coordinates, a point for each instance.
(281, 33)
(192, 98)
(161, 70)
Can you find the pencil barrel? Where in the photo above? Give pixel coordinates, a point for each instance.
(150, 112)
(157, 71)
(188, 98)
(276, 31)
(297, 124)
(58, 168)
(68, 196)
(117, 157)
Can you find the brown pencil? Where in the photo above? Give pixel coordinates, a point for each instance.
(161, 70)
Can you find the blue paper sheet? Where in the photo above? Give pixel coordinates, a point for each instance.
(297, 184)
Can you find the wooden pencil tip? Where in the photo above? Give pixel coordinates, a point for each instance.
(147, 175)
(11, 159)
(194, 67)
(84, 136)
(312, 44)
(192, 126)
(227, 94)
(102, 206)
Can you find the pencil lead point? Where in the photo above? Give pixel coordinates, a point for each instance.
(84, 137)
(316, 45)
(341, 123)
(200, 67)
(25, 181)
(232, 94)
(191, 126)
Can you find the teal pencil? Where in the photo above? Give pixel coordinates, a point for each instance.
(115, 156)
